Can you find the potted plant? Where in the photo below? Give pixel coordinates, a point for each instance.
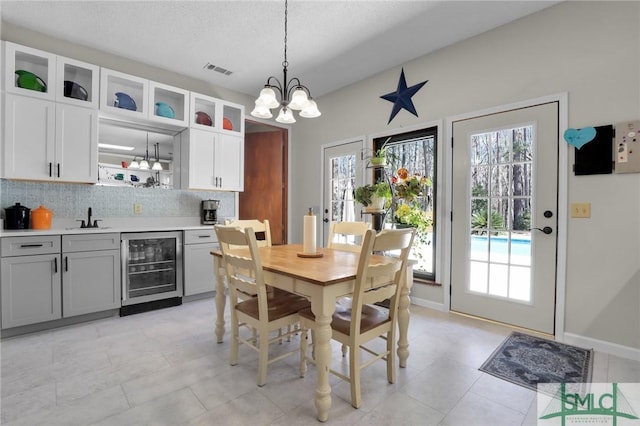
(379, 156)
(374, 197)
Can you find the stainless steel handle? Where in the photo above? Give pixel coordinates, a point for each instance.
(30, 245)
(55, 265)
(204, 236)
(58, 169)
(66, 263)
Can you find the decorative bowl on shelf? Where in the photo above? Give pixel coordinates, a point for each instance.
(75, 91)
(164, 110)
(125, 101)
(203, 118)
(226, 124)
(28, 80)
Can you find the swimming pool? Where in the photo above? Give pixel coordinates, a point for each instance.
(498, 246)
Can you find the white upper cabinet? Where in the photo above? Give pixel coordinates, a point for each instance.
(77, 83)
(232, 116)
(29, 72)
(216, 115)
(204, 112)
(124, 95)
(43, 75)
(142, 101)
(49, 141)
(168, 104)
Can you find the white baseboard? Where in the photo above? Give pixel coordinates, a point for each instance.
(569, 338)
(602, 346)
(428, 304)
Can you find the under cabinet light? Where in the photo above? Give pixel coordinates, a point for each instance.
(118, 147)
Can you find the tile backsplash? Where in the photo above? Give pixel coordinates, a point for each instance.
(67, 200)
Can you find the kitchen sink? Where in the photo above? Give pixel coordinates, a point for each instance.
(77, 228)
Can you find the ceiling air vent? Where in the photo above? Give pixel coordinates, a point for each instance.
(211, 67)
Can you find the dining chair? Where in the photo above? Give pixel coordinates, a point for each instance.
(347, 235)
(358, 321)
(267, 312)
(262, 229)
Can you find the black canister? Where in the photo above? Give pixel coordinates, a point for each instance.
(17, 217)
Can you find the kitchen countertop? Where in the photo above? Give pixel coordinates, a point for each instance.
(107, 225)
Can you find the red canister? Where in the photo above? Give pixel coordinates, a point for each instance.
(41, 218)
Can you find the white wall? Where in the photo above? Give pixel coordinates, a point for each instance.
(590, 50)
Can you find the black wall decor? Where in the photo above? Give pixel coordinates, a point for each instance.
(596, 157)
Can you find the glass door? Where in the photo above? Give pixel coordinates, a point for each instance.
(153, 268)
(505, 182)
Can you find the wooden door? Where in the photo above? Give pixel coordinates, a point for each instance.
(265, 181)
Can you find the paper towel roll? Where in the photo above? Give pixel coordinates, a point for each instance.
(309, 235)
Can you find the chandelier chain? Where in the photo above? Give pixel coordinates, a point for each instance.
(285, 63)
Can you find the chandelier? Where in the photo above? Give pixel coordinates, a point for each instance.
(293, 95)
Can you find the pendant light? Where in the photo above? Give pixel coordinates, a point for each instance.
(144, 163)
(293, 94)
(156, 165)
(134, 164)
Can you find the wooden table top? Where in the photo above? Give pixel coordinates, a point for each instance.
(333, 267)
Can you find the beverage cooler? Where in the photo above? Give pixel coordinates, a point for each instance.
(151, 271)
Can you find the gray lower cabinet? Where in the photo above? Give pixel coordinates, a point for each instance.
(91, 273)
(199, 276)
(30, 272)
(46, 278)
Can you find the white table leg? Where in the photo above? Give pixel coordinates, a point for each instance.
(220, 297)
(323, 309)
(403, 317)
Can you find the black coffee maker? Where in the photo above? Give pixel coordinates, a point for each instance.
(209, 212)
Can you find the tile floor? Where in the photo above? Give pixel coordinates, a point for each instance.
(165, 368)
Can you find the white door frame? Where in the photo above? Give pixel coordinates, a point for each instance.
(563, 175)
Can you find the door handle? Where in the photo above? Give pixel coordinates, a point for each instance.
(325, 220)
(547, 230)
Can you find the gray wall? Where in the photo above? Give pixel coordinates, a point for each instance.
(588, 49)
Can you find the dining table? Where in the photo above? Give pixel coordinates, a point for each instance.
(322, 278)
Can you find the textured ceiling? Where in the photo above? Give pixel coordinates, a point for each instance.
(331, 44)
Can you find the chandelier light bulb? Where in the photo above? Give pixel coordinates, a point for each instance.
(298, 100)
(310, 110)
(285, 116)
(144, 165)
(267, 98)
(261, 111)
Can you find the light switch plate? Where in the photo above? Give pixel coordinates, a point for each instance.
(581, 210)
(137, 208)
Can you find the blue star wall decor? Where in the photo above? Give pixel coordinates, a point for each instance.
(401, 98)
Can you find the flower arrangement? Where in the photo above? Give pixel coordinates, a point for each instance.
(408, 187)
